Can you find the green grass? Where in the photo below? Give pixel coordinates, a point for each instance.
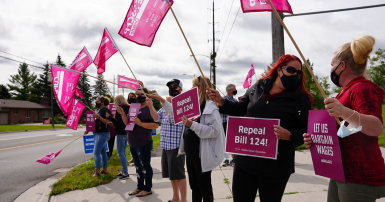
(80, 177)
(381, 139)
(8, 128)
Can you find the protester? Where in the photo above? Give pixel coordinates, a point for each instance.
(282, 95)
(360, 105)
(122, 108)
(202, 142)
(172, 163)
(101, 135)
(131, 98)
(231, 91)
(140, 141)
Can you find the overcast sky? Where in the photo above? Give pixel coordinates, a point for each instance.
(40, 30)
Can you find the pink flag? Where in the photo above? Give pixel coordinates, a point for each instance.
(249, 77)
(78, 92)
(143, 20)
(82, 60)
(76, 112)
(48, 158)
(281, 6)
(102, 68)
(64, 85)
(129, 83)
(107, 48)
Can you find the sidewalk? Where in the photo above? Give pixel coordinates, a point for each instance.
(303, 186)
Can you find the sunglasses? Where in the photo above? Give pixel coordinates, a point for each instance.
(293, 70)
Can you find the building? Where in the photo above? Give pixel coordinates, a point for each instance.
(19, 111)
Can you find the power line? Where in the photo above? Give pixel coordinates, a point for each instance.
(21, 57)
(22, 63)
(228, 35)
(224, 29)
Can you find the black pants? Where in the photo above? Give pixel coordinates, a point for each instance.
(111, 143)
(200, 183)
(246, 185)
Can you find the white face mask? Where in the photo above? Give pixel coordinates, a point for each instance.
(345, 131)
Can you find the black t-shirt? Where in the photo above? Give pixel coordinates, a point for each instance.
(191, 139)
(100, 126)
(120, 127)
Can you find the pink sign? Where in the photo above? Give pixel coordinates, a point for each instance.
(107, 48)
(77, 110)
(90, 121)
(129, 83)
(132, 113)
(282, 6)
(252, 137)
(46, 122)
(82, 60)
(113, 111)
(78, 92)
(186, 104)
(64, 85)
(249, 77)
(143, 20)
(325, 150)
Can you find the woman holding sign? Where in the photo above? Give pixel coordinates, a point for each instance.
(281, 94)
(359, 104)
(202, 141)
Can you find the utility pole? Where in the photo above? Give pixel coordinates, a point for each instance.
(277, 37)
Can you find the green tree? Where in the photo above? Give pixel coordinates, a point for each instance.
(157, 104)
(59, 61)
(41, 88)
(22, 83)
(100, 87)
(377, 68)
(85, 87)
(4, 92)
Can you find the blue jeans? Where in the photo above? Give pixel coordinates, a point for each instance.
(121, 143)
(101, 139)
(142, 160)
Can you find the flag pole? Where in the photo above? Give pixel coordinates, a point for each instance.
(188, 44)
(300, 53)
(71, 142)
(131, 71)
(107, 87)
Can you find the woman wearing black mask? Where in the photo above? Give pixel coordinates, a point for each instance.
(131, 98)
(281, 94)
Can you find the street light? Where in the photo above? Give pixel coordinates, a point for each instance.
(189, 75)
(49, 79)
(201, 55)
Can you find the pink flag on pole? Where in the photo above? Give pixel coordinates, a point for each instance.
(143, 20)
(64, 86)
(129, 83)
(249, 77)
(102, 68)
(78, 92)
(107, 48)
(76, 112)
(82, 60)
(281, 6)
(48, 158)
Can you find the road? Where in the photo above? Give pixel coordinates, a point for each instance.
(20, 150)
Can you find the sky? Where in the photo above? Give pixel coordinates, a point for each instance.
(40, 30)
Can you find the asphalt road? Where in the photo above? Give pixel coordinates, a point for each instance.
(20, 150)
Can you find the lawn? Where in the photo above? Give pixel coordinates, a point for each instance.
(8, 128)
(80, 177)
(381, 139)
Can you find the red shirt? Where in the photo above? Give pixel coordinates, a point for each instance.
(361, 155)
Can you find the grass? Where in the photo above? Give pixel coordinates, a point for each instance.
(381, 139)
(8, 128)
(80, 177)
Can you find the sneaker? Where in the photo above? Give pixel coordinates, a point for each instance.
(232, 163)
(96, 174)
(119, 175)
(226, 163)
(123, 177)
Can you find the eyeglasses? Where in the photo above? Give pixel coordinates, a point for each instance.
(293, 70)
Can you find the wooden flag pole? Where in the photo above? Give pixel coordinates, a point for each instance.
(72, 142)
(107, 87)
(188, 44)
(300, 53)
(132, 72)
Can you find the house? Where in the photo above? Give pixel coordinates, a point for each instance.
(19, 111)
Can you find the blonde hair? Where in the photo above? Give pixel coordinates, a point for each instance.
(202, 86)
(356, 53)
(119, 100)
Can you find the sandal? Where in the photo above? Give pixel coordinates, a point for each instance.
(135, 192)
(143, 193)
(102, 172)
(96, 175)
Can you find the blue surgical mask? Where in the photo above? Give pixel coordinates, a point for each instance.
(345, 131)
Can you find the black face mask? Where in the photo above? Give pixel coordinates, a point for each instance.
(336, 78)
(98, 105)
(141, 99)
(235, 92)
(131, 100)
(173, 91)
(289, 82)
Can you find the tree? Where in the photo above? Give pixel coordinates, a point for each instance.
(377, 68)
(100, 87)
(4, 92)
(157, 104)
(59, 62)
(41, 88)
(85, 87)
(22, 83)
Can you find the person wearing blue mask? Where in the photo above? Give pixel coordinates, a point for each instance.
(359, 105)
